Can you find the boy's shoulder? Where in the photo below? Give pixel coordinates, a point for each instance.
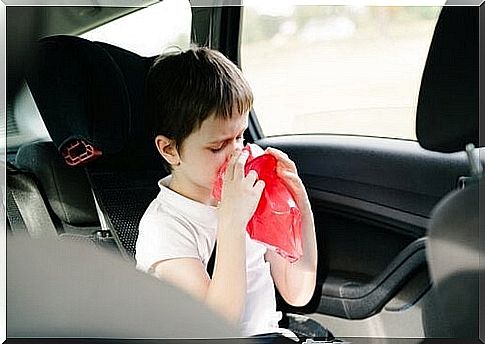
(160, 208)
(162, 215)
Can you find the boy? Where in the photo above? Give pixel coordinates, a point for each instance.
(198, 103)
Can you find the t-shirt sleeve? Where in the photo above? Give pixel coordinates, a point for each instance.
(161, 238)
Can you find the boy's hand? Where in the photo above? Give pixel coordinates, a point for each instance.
(286, 169)
(295, 281)
(240, 193)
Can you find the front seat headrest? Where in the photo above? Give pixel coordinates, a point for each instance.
(81, 93)
(447, 112)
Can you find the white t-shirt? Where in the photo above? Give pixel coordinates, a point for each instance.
(174, 226)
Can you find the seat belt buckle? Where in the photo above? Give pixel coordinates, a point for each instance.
(77, 152)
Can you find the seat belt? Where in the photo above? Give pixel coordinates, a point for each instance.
(15, 220)
(121, 194)
(212, 261)
(107, 232)
(26, 209)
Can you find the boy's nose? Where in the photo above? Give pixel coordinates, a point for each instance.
(239, 145)
(235, 152)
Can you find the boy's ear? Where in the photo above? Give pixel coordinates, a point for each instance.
(166, 148)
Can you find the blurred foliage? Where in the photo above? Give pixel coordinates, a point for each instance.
(304, 14)
(262, 27)
(427, 13)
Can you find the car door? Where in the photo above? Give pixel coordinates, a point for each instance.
(336, 89)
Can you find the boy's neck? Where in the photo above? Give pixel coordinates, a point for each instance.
(191, 191)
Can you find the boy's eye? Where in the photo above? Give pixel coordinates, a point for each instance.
(215, 150)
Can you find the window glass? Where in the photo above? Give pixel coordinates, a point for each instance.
(336, 69)
(149, 31)
(24, 123)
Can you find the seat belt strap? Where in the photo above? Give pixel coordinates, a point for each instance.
(17, 224)
(106, 225)
(26, 209)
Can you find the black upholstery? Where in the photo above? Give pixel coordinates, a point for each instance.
(124, 195)
(447, 113)
(133, 68)
(78, 82)
(94, 91)
(66, 188)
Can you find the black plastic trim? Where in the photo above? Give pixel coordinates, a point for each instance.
(412, 224)
(393, 173)
(358, 301)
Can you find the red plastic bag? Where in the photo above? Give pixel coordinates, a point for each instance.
(277, 220)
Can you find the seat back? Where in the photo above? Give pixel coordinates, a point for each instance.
(453, 254)
(90, 96)
(447, 121)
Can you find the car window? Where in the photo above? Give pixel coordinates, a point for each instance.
(24, 123)
(336, 69)
(148, 31)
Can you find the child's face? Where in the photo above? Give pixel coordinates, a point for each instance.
(205, 150)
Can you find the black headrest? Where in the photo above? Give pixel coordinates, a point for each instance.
(66, 188)
(89, 90)
(447, 113)
(134, 69)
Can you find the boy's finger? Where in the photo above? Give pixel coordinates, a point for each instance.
(252, 177)
(277, 153)
(282, 158)
(229, 175)
(286, 166)
(259, 187)
(294, 178)
(239, 165)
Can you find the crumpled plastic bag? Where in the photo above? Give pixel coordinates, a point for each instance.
(276, 222)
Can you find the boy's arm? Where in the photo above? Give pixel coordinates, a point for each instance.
(226, 292)
(295, 281)
(187, 273)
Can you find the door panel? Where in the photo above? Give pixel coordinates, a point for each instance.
(371, 199)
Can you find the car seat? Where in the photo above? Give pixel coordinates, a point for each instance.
(90, 96)
(447, 121)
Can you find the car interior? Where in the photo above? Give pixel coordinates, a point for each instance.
(397, 221)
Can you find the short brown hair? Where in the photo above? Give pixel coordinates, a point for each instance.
(184, 88)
